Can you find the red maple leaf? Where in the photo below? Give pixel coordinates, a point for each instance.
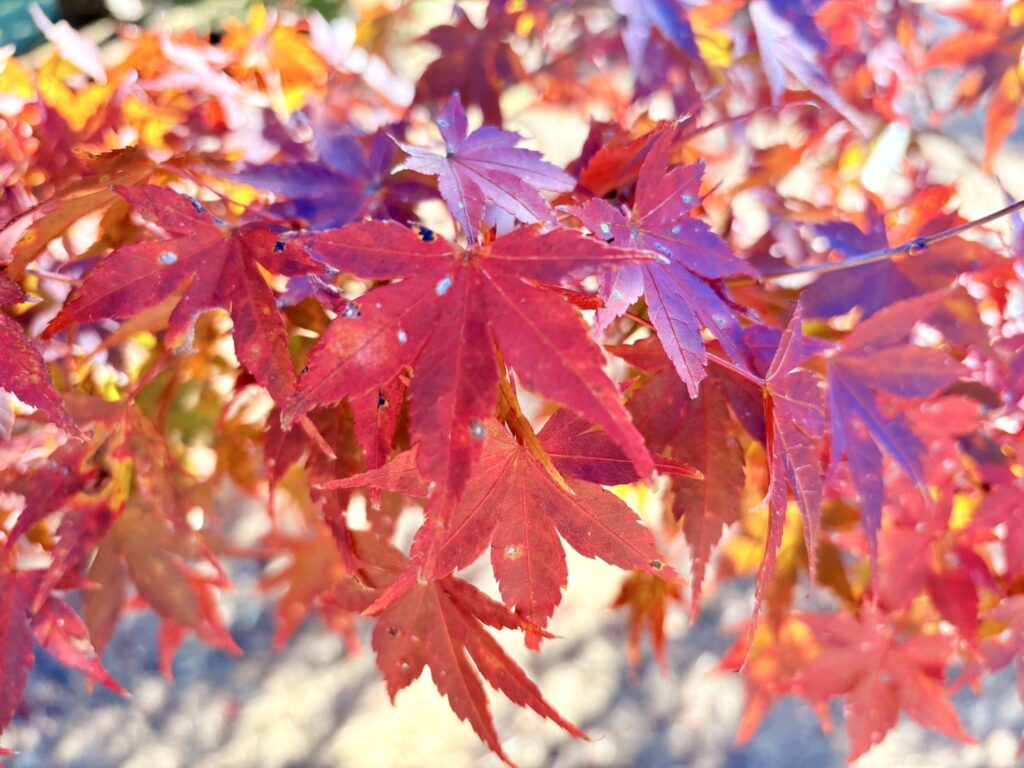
(24, 372)
(794, 406)
(445, 319)
(988, 50)
(119, 497)
(440, 625)
(881, 674)
(513, 505)
(53, 625)
(699, 433)
(214, 264)
(486, 166)
(770, 658)
(477, 62)
(647, 599)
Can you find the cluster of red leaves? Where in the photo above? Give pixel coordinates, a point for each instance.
(853, 421)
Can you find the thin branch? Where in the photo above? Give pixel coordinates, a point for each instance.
(57, 276)
(732, 119)
(913, 247)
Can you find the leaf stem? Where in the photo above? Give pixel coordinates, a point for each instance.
(721, 362)
(513, 416)
(915, 246)
(712, 357)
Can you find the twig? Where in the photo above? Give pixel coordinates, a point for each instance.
(57, 276)
(913, 247)
(731, 119)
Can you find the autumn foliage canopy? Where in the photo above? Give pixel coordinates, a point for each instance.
(317, 264)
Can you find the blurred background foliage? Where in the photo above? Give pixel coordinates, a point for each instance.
(17, 27)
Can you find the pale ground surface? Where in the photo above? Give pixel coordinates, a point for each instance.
(312, 706)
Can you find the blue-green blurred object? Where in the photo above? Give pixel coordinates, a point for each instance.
(16, 25)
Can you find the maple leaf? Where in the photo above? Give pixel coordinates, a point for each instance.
(345, 183)
(989, 49)
(445, 318)
(918, 555)
(770, 662)
(48, 488)
(700, 434)
(119, 496)
(128, 167)
(24, 374)
(881, 675)
(476, 62)
(274, 57)
(486, 166)
(614, 161)
(871, 362)
(440, 625)
(681, 299)
(795, 425)
(15, 647)
(513, 505)
(1004, 506)
(650, 55)
(662, 51)
(647, 598)
(1010, 613)
(72, 46)
(789, 41)
(313, 571)
(156, 558)
(874, 286)
(54, 626)
(644, 16)
(216, 265)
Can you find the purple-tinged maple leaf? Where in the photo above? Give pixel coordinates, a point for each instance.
(477, 62)
(485, 166)
(662, 51)
(789, 41)
(875, 360)
(644, 16)
(344, 184)
(874, 286)
(681, 298)
(217, 265)
(445, 319)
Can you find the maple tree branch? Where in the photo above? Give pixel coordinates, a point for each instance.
(732, 119)
(915, 246)
(56, 276)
